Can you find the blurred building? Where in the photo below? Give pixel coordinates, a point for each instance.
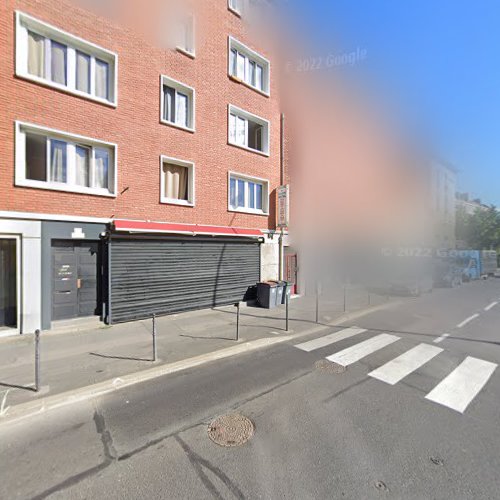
(468, 205)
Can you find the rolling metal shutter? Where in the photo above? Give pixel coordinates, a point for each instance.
(165, 276)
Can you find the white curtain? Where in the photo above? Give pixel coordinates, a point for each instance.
(36, 54)
(259, 77)
(241, 63)
(82, 166)
(58, 62)
(176, 182)
(232, 62)
(232, 193)
(57, 161)
(232, 129)
(251, 76)
(241, 131)
(83, 72)
(168, 104)
(101, 168)
(181, 111)
(101, 79)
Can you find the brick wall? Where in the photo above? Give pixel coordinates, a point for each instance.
(134, 125)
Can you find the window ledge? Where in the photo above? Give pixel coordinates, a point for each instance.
(251, 87)
(251, 150)
(52, 85)
(181, 127)
(191, 55)
(172, 201)
(66, 189)
(248, 211)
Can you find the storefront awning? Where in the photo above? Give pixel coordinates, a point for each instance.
(132, 226)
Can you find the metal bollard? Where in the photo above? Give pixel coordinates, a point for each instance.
(237, 305)
(287, 301)
(317, 303)
(37, 360)
(344, 299)
(154, 338)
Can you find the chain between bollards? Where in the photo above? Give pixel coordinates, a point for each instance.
(154, 338)
(37, 360)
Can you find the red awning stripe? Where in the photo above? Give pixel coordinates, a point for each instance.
(191, 229)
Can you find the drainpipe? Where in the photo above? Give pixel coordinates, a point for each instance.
(282, 183)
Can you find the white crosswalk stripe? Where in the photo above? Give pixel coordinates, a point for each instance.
(312, 345)
(400, 367)
(463, 384)
(359, 351)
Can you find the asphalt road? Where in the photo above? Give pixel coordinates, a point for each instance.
(317, 435)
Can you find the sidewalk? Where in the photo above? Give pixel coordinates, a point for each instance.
(75, 360)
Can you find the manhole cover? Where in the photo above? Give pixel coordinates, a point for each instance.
(231, 430)
(325, 366)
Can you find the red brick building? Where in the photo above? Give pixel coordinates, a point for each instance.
(140, 156)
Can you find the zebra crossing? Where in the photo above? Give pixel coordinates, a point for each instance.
(456, 391)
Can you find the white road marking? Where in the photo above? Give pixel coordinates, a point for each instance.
(440, 339)
(491, 306)
(312, 345)
(463, 384)
(355, 353)
(468, 320)
(398, 368)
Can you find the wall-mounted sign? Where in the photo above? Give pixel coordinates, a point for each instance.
(283, 206)
(78, 234)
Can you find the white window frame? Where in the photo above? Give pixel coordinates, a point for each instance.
(25, 23)
(191, 182)
(185, 89)
(266, 134)
(248, 178)
(72, 140)
(239, 12)
(250, 55)
(184, 50)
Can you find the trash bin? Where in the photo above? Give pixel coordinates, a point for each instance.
(266, 294)
(287, 290)
(279, 292)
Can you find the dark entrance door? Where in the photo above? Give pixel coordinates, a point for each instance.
(75, 291)
(8, 283)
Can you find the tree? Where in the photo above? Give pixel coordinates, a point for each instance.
(481, 230)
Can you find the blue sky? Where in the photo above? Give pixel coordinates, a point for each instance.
(439, 60)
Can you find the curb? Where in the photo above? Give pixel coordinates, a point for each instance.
(31, 408)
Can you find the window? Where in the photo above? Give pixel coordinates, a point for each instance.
(177, 181)
(248, 66)
(177, 104)
(236, 6)
(248, 194)
(185, 35)
(48, 55)
(49, 159)
(248, 131)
